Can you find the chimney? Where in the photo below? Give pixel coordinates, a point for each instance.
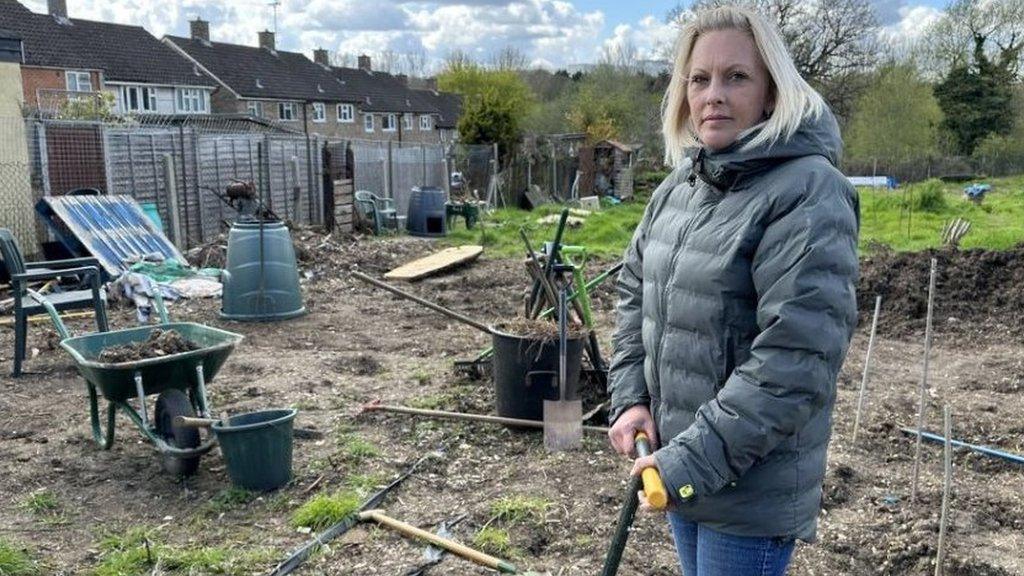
(322, 57)
(200, 29)
(364, 63)
(57, 8)
(267, 40)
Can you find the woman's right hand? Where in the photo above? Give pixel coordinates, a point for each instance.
(634, 419)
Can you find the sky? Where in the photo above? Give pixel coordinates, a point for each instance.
(550, 33)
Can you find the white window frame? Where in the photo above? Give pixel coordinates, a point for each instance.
(290, 108)
(319, 112)
(407, 121)
(145, 99)
(254, 108)
(425, 122)
(389, 122)
(73, 81)
(368, 122)
(346, 113)
(191, 100)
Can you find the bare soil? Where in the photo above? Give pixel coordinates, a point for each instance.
(160, 343)
(358, 345)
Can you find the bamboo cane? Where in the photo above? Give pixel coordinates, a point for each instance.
(924, 381)
(867, 364)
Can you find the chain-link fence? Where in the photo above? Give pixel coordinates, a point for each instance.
(949, 167)
(16, 196)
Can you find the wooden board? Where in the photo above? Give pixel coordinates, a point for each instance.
(437, 262)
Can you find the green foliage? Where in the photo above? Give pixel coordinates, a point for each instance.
(520, 509)
(356, 449)
(138, 551)
(929, 197)
(495, 104)
(897, 118)
(363, 483)
(614, 103)
(228, 499)
(438, 401)
(326, 510)
(15, 562)
(98, 107)
(977, 99)
(495, 541)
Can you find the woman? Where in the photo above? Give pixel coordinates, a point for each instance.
(737, 300)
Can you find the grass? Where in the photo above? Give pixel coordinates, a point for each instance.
(421, 377)
(43, 502)
(138, 551)
(439, 401)
(356, 449)
(227, 500)
(495, 541)
(364, 483)
(16, 562)
(520, 509)
(996, 224)
(326, 510)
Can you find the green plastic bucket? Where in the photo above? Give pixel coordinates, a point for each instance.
(257, 448)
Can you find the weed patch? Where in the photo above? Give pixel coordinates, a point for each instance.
(326, 510)
(16, 562)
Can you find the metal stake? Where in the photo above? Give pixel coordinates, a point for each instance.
(924, 381)
(867, 364)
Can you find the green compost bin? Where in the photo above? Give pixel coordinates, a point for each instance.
(257, 448)
(262, 280)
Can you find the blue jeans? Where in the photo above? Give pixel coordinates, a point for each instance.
(705, 552)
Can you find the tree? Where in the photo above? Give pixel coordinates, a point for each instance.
(494, 104)
(977, 98)
(457, 59)
(614, 103)
(896, 119)
(833, 43)
(509, 58)
(953, 41)
(623, 55)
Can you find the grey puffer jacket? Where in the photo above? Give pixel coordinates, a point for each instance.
(736, 309)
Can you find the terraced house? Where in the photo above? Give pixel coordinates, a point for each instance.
(313, 96)
(69, 58)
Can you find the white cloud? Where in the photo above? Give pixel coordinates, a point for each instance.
(913, 22)
(651, 37)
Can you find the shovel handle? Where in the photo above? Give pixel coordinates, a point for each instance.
(190, 422)
(654, 488)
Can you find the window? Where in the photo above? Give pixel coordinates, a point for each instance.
(255, 108)
(346, 113)
(368, 122)
(406, 121)
(286, 111)
(425, 123)
(319, 112)
(78, 81)
(389, 123)
(137, 99)
(192, 100)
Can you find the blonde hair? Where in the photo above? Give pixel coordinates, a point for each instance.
(794, 97)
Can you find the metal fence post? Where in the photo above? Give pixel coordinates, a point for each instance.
(172, 199)
(387, 174)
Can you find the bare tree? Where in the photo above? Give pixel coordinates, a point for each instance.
(386, 61)
(997, 26)
(343, 59)
(458, 59)
(509, 58)
(622, 55)
(832, 42)
(414, 64)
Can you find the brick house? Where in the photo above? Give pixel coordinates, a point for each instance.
(262, 81)
(72, 58)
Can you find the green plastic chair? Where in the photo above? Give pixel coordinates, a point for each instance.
(379, 211)
(22, 273)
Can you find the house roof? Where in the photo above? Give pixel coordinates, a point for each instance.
(448, 105)
(124, 53)
(382, 92)
(253, 72)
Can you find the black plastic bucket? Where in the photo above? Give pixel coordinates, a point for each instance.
(257, 448)
(526, 373)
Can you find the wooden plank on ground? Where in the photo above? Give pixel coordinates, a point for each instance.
(436, 262)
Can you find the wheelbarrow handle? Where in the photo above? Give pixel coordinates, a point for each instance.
(57, 322)
(191, 422)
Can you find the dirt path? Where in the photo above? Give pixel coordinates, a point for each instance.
(357, 345)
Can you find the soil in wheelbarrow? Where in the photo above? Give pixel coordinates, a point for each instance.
(542, 330)
(159, 344)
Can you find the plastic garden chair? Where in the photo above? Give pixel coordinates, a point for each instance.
(380, 211)
(22, 273)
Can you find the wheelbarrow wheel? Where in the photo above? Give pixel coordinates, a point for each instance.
(169, 405)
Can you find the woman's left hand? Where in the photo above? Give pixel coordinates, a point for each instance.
(639, 465)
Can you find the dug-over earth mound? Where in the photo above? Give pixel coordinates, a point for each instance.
(160, 343)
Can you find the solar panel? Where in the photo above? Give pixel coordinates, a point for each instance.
(114, 229)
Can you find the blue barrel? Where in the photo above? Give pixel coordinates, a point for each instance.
(261, 284)
(426, 215)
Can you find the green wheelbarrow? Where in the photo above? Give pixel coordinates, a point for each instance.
(179, 379)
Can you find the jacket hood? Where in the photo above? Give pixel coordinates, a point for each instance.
(726, 169)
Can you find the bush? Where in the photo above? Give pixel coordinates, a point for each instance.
(928, 197)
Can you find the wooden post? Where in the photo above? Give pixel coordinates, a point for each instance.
(387, 175)
(947, 485)
(924, 381)
(172, 199)
(867, 364)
